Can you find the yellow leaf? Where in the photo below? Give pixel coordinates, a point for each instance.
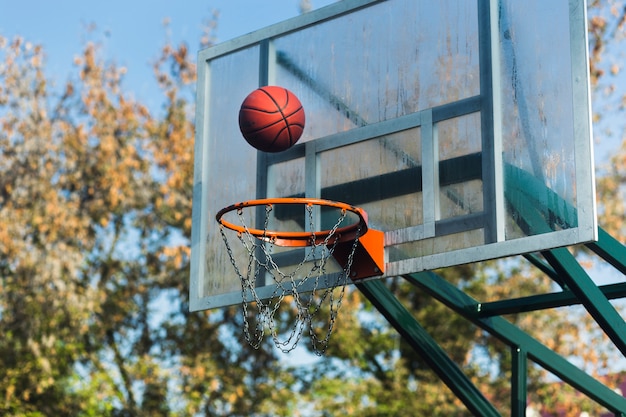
(615, 69)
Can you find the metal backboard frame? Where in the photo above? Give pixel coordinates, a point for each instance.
(463, 128)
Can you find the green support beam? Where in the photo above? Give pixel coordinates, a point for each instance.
(538, 210)
(579, 288)
(589, 295)
(544, 301)
(519, 382)
(610, 249)
(510, 334)
(419, 339)
(544, 267)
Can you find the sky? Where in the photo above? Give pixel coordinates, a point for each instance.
(132, 31)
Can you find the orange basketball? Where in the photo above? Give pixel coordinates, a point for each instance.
(271, 119)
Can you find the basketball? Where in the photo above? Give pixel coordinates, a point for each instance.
(271, 119)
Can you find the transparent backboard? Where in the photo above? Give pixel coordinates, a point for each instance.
(462, 127)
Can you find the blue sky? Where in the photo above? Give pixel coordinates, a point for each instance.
(132, 31)
(135, 32)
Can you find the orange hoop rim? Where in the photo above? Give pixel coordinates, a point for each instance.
(297, 239)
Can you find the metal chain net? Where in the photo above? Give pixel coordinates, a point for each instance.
(307, 303)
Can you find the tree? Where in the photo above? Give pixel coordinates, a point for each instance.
(95, 209)
(45, 305)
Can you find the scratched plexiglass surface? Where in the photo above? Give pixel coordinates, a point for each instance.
(462, 141)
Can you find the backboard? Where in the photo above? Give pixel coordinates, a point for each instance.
(462, 127)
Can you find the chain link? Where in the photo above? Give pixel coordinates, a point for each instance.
(307, 307)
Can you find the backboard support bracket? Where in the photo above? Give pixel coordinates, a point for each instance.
(370, 253)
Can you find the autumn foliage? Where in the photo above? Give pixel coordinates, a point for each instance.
(95, 220)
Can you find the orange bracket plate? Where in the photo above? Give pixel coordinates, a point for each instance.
(369, 256)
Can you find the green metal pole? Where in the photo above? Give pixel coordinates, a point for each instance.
(596, 303)
(519, 383)
(545, 301)
(544, 267)
(468, 307)
(427, 348)
(610, 249)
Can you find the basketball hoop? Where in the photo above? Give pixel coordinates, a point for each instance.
(311, 283)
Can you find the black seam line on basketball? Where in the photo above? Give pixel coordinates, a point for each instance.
(280, 109)
(266, 126)
(270, 112)
(260, 110)
(276, 136)
(280, 132)
(287, 125)
(292, 139)
(270, 145)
